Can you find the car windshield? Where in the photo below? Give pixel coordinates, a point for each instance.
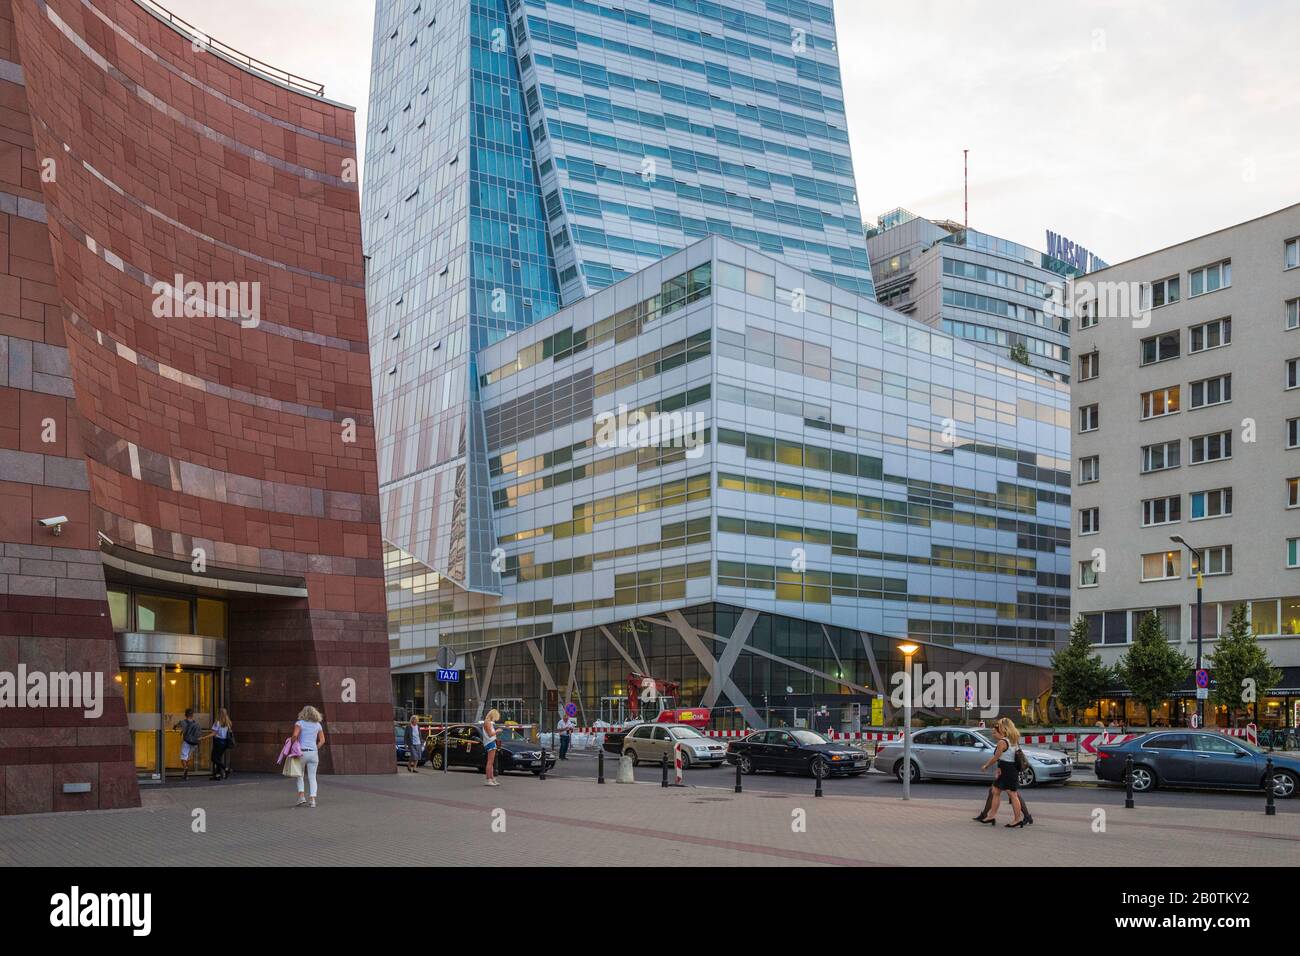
(685, 733)
(510, 733)
(810, 737)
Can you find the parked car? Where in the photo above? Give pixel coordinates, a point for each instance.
(796, 751)
(464, 746)
(653, 742)
(1201, 760)
(958, 753)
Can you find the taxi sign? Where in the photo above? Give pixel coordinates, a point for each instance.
(448, 675)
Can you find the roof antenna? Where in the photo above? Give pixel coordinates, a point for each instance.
(965, 175)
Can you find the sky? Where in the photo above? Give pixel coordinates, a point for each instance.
(1126, 125)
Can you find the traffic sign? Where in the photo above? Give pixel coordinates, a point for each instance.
(1202, 693)
(448, 676)
(439, 698)
(571, 709)
(1202, 678)
(445, 656)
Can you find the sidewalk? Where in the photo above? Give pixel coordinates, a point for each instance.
(447, 820)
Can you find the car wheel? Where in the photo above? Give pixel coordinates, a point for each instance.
(1026, 777)
(436, 760)
(916, 772)
(1284, 784)
(1144, 779)
(745, 763)
(632, 753)
(819, 768)
(686, 760)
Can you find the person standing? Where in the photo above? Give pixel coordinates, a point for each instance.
(490, 746)
(1005, 756)
(565, 730)
(309, 732)
(414, 746)
(223, 738)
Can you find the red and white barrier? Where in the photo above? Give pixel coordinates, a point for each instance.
(677, 763)
(1250, 732)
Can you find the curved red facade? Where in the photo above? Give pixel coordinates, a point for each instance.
(200, 261)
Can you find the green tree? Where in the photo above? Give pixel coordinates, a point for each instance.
(1242, 669)
(1079, 676)
(1020, 353)
(1153, 668)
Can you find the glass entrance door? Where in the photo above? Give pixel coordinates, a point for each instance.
(156, 701)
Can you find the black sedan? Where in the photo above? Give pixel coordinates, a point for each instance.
(464, 748)
(796, 751)
(1199, 760)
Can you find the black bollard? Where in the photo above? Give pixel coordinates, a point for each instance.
(664, 764)
(817, 792)
(1128, 782)
(737, 776)
(600, 765)
(542, 775)
(446, 736)
(1269, 809)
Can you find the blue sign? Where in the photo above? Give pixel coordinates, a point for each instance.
(1071, 253)
(571, 709)
(448, 676)
(1202, 678)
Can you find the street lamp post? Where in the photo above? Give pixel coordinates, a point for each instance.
(908, 650)
(1196, 556)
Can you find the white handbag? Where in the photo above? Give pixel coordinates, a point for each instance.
(292, 767)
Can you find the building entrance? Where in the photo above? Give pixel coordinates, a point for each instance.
(156, 701)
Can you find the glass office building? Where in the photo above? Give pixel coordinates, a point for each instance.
(728, 473)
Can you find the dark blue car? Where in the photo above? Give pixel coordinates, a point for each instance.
(1196, 759)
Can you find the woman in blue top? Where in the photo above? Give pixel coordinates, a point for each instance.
(310, 734)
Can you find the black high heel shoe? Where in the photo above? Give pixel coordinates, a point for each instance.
(982, 820)
(1015, 826)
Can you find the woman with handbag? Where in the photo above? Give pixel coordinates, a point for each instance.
(1008, 757)
(309, 734)
(223, 739)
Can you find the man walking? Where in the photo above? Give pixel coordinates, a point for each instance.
(565, 730)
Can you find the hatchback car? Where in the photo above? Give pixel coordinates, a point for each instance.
(653, 743)
(464, 748)
(958, 753)
(796, 751)
(1206, 761)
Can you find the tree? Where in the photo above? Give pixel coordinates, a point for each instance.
(1153, 668)
(1242, 669)
(1079, 676)
(1020, 353)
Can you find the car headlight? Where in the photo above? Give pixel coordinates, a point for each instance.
(1051, 761)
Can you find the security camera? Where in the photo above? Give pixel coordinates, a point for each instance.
(104, 539)
(56, 524)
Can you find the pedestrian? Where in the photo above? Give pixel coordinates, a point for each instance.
(414, 746)
(1007, 756)
(309, 733)
(490, 746)
(191, 736)
(223, 738)
(565, 729)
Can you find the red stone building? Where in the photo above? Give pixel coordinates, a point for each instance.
(210, 449)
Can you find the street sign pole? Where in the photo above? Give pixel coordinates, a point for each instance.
(1200, 624)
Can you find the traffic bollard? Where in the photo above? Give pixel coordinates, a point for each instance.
(446, 735)
(737, 776)
(663, 764)
(818, 791)
(677, 765)
(600, 765)
(1269, 809)
(542, 775)
(1128, 782)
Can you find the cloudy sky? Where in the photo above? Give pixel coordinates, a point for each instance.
(1126, 125)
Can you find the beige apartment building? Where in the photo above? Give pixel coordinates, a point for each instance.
(1186, 420)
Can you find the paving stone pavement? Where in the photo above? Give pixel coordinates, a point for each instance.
(447, 820)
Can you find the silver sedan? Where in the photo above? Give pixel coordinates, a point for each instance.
(952, 753)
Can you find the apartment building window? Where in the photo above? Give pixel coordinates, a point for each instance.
(1292, 253)
(1292, 372)
(1167, 510)
(1215, 447)
(1293, 314)
(1293, 552)
(1217, 560)
(1087, 315)
(1087, 575)
(1160, 348)
(1212, 391)
(1162, 566)
(1161, 456)
(1089, 520)
(1089, 418)
(1089, 366)
(1211, 278)
(1210, 335)
(1161, 401)
(1161, 292)
(1293, 433)
(1211, 504)
(1293, 492)
(1089, 469)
